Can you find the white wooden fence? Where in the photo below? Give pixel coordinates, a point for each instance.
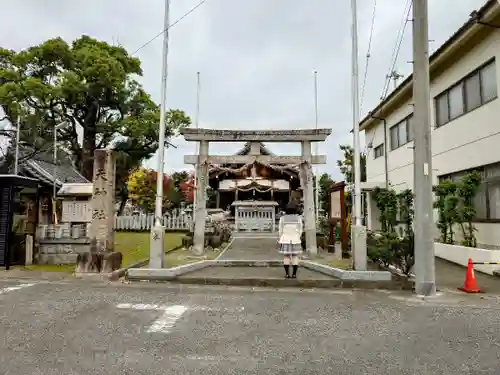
(146, 222)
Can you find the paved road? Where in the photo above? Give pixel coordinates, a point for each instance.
(253, 247)
(70, 328)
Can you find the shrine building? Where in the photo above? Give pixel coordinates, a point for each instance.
(254, 181)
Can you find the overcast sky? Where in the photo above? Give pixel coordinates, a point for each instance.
(256, 57)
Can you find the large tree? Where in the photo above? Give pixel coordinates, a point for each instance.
(325, 183)
(346, 164)
(88, 84)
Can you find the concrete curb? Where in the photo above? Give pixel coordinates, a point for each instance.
(117, 274)
(297, 283)
(347, 274)
(165, 274)
(340, 278)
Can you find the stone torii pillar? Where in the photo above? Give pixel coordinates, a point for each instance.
(304, 136)
(307, 182)
(201, 199)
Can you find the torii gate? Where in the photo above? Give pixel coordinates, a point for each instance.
(306, 160)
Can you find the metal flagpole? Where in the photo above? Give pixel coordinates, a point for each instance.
(358, 235)
(316, 145)
(158, 230)
(18, 137)
(54, 171)
(196, 124)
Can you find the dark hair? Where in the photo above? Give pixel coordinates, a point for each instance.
(291, 209)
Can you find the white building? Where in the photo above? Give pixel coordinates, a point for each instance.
(465, 118)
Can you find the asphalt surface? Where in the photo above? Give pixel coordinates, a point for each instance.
(76, 328)
(253, 247)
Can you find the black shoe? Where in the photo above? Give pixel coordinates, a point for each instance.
(287, 271)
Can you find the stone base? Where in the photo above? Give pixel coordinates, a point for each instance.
(157, 253)
(338, 251)
(327, 277)
(57, 258)
(359, 247)
(98, 262)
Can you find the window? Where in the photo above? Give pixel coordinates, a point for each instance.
(473, 91)
(401, 133)
(488, 82)
(456, 101)
(378, 151)
(442, 115)
(411, 136)
(487, 198)
(394, 137)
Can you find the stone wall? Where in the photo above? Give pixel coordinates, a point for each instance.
(61, 251)
(60, 244)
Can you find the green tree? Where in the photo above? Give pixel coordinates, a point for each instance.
(88, 84)
(346, 165)
(325, 183)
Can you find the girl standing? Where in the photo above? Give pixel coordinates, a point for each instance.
(290, 232)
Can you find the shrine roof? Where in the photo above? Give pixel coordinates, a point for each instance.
(15, 180)
(247, 147)
(41, 166)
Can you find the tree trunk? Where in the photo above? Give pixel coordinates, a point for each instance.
(123, 202)
(89, 141)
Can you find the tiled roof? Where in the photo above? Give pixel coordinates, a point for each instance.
(41, 166)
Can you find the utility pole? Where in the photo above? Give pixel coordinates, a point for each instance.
(196, 124)
(358, 234)
(316, 145)
(425, 278)
(18, 138)
(158, 230)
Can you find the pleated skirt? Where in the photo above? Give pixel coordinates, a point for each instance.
(290, 249)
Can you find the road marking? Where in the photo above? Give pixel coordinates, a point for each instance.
(168, 319)
(215, 309)
(171, 314)
(140, 306)
(12, 288)
(225, 248)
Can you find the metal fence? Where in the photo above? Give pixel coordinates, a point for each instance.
(174, 221)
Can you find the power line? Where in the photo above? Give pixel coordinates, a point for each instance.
(170, 26)
(368, 55)
(397, 47)
(394, 60)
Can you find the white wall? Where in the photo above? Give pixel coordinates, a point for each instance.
(469, 141)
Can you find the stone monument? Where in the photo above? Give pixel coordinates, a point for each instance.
(102, 228)
(101, 257)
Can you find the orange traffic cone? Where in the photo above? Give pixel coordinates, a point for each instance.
(470, 284)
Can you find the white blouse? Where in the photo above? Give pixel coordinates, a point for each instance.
(290, 229)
